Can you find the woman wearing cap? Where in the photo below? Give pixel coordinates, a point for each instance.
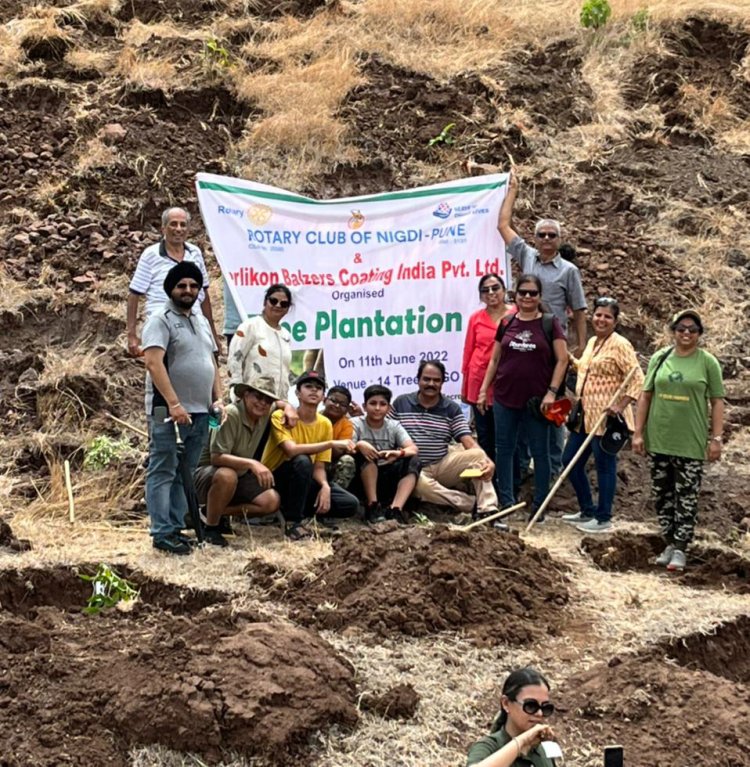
(520, 727)
(604, 364)
(261, 346)
(679, 423)
(480, 340)
(527, 367)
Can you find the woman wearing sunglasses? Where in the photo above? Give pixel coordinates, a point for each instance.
(261, 346)
(604, 364)
(520, 726)
(480, 340)
(529, 359)
(679, 423)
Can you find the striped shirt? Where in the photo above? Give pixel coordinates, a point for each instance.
(152, 268)
(432, 429)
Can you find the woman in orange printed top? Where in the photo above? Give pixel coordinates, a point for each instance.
(478, 346)
(604, 364)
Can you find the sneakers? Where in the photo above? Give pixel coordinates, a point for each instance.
(665, 557)
(374, 513)
(172, 545)
(677, 561)
(225, 525)
(212, 534)
(539, 521)
(578, 518)
(594, 526)
(498, 524)
(295, 532)
(394, 512)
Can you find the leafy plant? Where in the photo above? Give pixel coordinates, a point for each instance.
(422, 519)
(108, 590)
(103, 450)
(444, 137)
(595, 13)
(640, 20)
(216, 55)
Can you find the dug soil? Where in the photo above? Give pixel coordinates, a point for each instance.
(393, 581)
(707, 567)
(179, 668)
(686, 702)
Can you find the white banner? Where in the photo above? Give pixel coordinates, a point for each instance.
(380, 282)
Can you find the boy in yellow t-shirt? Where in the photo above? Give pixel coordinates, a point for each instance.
(298, 457)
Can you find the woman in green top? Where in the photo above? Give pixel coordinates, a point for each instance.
(679, 421)
(519, 727)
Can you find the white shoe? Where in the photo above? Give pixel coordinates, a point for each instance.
(594, 526)
(576, 519)
(677, 562)
(665, 557)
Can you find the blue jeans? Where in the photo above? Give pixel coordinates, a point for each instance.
(556, 446)
(165, 495)
(508, 422)
(606, 475)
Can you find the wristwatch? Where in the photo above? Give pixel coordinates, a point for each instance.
(717, 439)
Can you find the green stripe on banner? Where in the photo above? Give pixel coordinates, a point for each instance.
(372, 198)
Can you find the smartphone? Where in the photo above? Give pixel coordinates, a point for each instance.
(613, 756)
(551, 749)
(160, 414)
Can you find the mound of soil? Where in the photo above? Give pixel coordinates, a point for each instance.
(707, 567)
(399, 702)
(662, 714)
(82, 689)
(416, 581)
(9, 541)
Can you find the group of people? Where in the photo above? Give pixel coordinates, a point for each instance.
(266, 456)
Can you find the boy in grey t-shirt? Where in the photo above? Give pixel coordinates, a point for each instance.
(386, 457)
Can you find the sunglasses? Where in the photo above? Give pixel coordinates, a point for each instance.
(605, 301)
(491, 289)
(527, 293)
(282, 302)
(262, 398)
(531, 707)
(338, 402)
(187, 286)
(547, 235)
(687, 329)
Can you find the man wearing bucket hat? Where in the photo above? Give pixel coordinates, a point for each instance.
(679, 423)
(182, 383)
(228, 480)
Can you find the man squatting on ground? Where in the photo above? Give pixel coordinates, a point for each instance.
(228, 479)
(434, 422)
(561, 285)
(386, 459)
(153, 265)
(298, 457)
(182, 383)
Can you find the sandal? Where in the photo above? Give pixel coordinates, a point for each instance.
(297, 533)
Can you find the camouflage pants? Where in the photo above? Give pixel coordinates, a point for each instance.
(676, 483)
(344, 470)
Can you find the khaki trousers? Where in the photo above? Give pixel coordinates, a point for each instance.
(437, 480)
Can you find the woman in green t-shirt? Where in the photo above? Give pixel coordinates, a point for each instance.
(520, 727)
(679, 421)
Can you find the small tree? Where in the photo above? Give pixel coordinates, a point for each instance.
(595, 13)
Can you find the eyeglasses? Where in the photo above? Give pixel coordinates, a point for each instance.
(282, 302)
(547, 235)
(262, 398)
(531, 707)
(528, 293)
(187, 286)
(491, 289)
(687, 329)
(338, 402)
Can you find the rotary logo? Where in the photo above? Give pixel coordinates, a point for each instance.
(259, 214)
(442, 211)
(356, 220)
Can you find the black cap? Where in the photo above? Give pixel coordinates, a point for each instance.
(616, 435)
(309, 376)
(178, 272)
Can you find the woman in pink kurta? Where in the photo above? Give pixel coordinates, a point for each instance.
(480, 340)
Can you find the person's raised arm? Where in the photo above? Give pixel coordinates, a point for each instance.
(506, 210)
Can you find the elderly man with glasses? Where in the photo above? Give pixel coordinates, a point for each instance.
(561, 283)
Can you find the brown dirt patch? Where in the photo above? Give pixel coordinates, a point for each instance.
(416, 581)
(399, 702)
(660, 712)
(707, 567)
(166, 671)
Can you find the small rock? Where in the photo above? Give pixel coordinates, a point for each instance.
(112, 133)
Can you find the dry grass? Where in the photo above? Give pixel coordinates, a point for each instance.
(144, 73)
(95, 155)
(88, 60)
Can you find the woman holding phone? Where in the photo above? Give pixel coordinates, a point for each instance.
(520, 727)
